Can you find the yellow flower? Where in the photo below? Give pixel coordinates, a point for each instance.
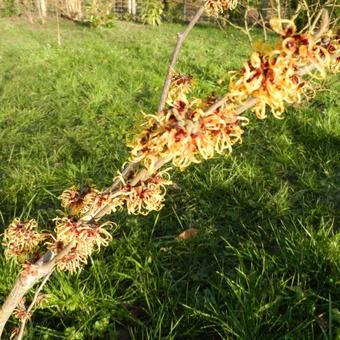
(179, 87)
(147, 195)
(184, 134)
(272, 77)
(20, 238)
(76, 201)
(215, 7)
(86, 240)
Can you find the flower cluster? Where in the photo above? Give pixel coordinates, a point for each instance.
(21, 238)
(77, 201)
(147, 195)
(85, 238)
(180, 86)
(273, 77)
(84, 234)
(20, 312)
(215, 7)
(184, 134)
(331, 42)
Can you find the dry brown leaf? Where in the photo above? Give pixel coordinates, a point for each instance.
(186, 234)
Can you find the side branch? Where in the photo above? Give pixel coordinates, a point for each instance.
(180, 39)
(31, 306)
(324, 24)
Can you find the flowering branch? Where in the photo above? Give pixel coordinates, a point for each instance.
(212, 7)
(27, 280)
(45, 266)
(180, 39)
(184, 132)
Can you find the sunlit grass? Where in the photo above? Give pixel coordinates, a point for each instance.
(266, 261)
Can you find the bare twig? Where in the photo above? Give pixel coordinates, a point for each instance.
(324, 24)
(29, 309)
(246, 27)
(263, 24)
(180, 39)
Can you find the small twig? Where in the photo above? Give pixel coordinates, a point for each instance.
(263, 24)
(246, 28)
(242, 29)
(35, 298)
(180, 39)
(324, 24)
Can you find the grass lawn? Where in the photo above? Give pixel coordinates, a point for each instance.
(266, 262)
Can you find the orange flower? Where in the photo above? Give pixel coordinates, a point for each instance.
(101, 204)
(20, 312)
(68, 231)
(74, 260)
(89, 202)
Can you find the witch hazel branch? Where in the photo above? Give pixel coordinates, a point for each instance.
(70, 256)
(185, 130)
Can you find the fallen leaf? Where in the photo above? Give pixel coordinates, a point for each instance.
(189, 233)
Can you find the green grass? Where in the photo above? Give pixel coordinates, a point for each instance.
(266, 262)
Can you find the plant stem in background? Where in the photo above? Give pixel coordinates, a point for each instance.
(58, 29)
(31, 306)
